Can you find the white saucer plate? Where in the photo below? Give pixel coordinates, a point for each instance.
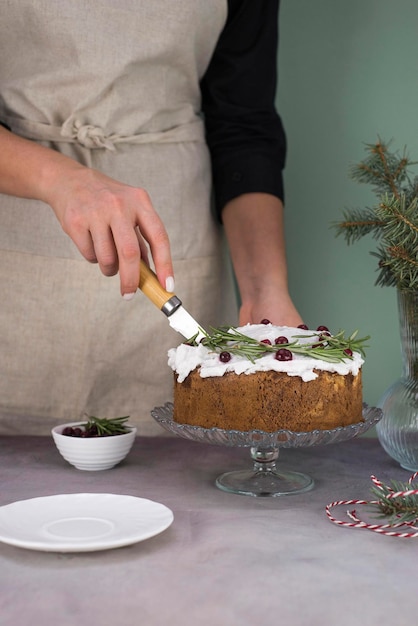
(82, 522)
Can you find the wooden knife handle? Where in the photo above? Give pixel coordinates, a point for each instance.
(150, 286)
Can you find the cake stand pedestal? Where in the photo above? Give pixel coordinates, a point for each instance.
(264, 479)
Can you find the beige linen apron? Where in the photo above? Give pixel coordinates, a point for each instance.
(115, 85)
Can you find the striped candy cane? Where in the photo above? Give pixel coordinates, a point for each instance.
(383, 529)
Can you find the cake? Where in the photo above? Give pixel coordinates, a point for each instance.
(266, 377)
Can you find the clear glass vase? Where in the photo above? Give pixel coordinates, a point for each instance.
(398, 429)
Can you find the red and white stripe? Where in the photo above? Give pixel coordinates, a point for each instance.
(384, 529)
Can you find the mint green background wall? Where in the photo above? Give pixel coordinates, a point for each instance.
(348, 73)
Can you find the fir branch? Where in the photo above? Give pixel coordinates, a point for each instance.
(400, 509)
(404, 266)
(385, 276)
(357, 223)
(394, 219)
(384, 170)
(397, 219)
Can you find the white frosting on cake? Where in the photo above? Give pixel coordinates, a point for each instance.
(184, 359)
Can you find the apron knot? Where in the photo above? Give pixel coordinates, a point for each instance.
(88, 135)
(94, 137)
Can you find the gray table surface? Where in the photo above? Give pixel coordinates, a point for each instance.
(227, 559)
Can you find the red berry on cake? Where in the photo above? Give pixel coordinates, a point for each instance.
(280, 340)
(283, 355)
(225, 357)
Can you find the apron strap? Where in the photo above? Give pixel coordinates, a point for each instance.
(94, 137)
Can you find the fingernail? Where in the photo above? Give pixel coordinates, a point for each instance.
(169, 284)
(128, 296)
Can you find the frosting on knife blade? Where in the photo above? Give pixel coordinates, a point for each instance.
(182, 322)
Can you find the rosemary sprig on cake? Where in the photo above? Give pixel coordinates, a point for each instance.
(227, 341)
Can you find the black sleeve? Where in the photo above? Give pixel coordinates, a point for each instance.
(243, 129)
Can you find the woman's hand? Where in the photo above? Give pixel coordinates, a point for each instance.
(276, 307)
(110, 223)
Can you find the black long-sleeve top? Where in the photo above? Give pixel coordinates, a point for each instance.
(244, 132)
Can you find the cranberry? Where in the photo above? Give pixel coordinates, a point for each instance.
(283, 355)
(77, 432)
(348, 352)
(265, 321)
(266, 341)
(323, 328)
(92, 431)
(324, 335)
(281, 339)
(68, 431)
(225, 357)
(303, 327)
(317, 345)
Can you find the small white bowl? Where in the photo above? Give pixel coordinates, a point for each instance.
(93, 453)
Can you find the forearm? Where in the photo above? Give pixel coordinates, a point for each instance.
(255, 232)
(29, 170)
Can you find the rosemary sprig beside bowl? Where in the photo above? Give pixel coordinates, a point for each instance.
(98, 427)
(107, 426)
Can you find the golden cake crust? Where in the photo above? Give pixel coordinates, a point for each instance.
(269, 401)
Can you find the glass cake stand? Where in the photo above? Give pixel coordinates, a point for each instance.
(264, 479)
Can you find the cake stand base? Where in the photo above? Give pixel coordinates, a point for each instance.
(264, 484)
(264, 480)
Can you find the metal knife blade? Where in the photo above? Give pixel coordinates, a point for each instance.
(178, 318)
(185, 324)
